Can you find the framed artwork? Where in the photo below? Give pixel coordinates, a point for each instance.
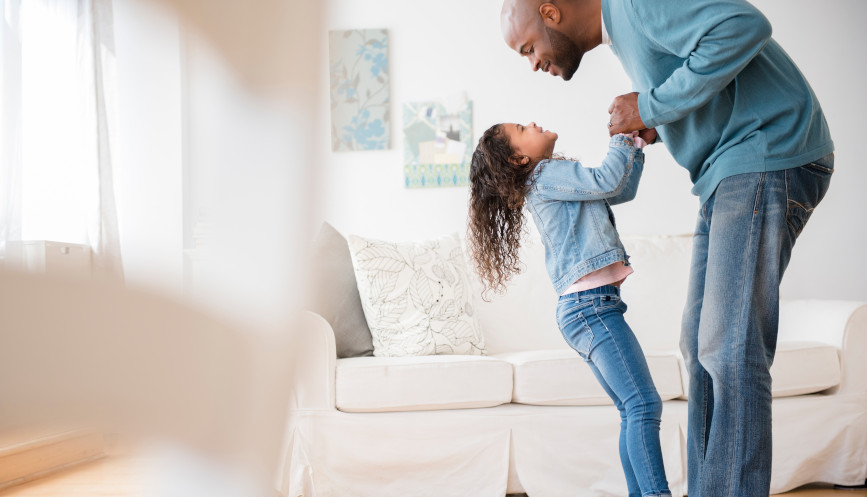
(437, 144)
(358, 64)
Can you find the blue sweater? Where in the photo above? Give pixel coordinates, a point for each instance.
(723, 95)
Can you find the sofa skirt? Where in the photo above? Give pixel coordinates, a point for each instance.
(544, 451)
(513, 448)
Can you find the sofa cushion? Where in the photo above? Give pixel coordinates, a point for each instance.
(561, 378)
(417, 297)
(799, 368)
(379, 384)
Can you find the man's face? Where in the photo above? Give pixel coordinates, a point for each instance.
(547, 48)
(567, 55)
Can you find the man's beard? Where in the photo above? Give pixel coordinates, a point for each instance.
(567, 55)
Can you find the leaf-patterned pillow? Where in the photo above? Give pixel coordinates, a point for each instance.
(417, 297)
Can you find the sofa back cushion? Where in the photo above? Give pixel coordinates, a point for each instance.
(523, 317)
(656, 291)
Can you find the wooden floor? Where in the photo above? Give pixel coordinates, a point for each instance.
(110, 476)
(120, 477)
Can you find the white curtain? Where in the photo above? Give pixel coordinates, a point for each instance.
(58, 119)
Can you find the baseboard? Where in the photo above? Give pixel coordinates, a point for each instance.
(26, 460)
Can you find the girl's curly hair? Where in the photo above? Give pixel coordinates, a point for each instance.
(498, 186)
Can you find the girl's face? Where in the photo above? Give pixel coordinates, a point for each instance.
(531, 141)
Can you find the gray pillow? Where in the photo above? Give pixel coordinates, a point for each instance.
(335, 294)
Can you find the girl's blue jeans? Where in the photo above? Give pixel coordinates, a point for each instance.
(592, 323)
(743, 242)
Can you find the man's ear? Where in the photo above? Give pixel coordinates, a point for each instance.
(550, 13)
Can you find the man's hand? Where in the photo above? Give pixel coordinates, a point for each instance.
(624, 115)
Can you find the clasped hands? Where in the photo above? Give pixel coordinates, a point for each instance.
(624, 118)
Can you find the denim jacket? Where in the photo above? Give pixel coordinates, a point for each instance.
(571, 205)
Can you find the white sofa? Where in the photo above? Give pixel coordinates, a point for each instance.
(530, 417)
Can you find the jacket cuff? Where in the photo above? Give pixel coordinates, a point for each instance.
(621, 140)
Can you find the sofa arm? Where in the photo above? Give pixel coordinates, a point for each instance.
(840, 323)
(315, 358)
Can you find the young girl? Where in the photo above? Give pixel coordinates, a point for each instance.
(514, 167)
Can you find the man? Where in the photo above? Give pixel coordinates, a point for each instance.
(735, 111)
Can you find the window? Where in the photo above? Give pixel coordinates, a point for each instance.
(55, 174)
(59, 194)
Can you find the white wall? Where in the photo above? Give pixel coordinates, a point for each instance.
(147, 160)
(440, 48)
(248, 130)
(247, 170)
(214, 120)
(821, 37)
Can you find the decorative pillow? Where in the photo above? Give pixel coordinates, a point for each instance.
(334, 294)
(417, 297)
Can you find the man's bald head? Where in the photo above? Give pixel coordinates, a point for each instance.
(552, 34)
(518, 16)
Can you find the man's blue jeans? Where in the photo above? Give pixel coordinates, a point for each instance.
(743, 241)
(592, 323)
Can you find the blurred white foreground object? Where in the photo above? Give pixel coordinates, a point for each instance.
(88, 353)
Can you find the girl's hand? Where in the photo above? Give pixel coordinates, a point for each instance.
(637, 140)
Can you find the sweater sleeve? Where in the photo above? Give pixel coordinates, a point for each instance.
(716, 39)
(570, 181)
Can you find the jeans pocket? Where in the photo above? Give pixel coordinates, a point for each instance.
(574, 328)
(805, 188)
(568, 310)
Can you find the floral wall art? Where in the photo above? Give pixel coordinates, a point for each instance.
(438, 144)
(359, 89)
